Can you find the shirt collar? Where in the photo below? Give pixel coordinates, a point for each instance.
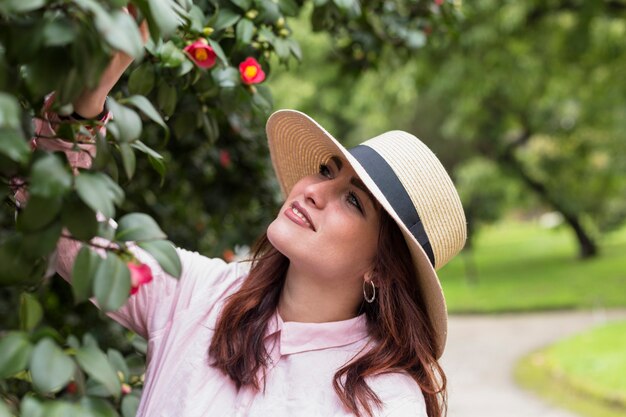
(298, 337)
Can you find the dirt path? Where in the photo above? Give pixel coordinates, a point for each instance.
(482, 351)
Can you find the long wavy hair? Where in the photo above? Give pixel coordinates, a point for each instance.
(397, 321)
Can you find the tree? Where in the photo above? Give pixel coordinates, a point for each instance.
(196, 95)
(538, 91)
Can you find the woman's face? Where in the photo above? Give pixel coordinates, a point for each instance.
(329, 224)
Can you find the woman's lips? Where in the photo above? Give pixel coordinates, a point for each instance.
(299, 215)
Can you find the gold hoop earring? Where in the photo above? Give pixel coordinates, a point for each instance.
(371, 299)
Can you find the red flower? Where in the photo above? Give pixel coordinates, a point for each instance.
(251, 71)
(140, 274)
(228, 255)
(439, 2)
(72, 388)
(202, 54)
(225, 158)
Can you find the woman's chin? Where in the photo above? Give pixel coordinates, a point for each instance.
(277, 236)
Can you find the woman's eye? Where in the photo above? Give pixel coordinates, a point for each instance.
(352, 199)
(325, 171)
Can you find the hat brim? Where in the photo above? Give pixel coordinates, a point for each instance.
(298, 145)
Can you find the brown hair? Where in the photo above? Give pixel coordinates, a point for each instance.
(238, 350)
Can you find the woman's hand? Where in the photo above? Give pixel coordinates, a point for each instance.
(91, 102)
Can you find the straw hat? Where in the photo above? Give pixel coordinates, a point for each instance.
(404, 176)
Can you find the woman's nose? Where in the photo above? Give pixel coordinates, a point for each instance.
(318, 193)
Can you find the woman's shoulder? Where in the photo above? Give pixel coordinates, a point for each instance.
(207, 279)
(399, 393)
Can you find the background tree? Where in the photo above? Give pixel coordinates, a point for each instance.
(196, 94)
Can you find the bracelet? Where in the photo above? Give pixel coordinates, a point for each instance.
(98, 117)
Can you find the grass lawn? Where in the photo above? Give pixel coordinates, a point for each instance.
(523, 267)
(584, 373)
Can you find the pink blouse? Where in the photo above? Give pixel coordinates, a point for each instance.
(178, 318)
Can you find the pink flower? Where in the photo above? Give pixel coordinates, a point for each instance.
(140, 274)
(439, 2)
(201, 53)
(251, 71)
(126, 389)
(225, 158)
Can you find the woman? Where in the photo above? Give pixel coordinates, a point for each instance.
(340, 311)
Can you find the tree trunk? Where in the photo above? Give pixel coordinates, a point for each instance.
(587, 248)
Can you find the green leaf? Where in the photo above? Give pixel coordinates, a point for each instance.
(217, 48)
(15, 351)
(112, 283)
(30, 312)
(60, 408)
(130, 404)
(14, 266)
(103, 153)
(142, 147)
(210, 127)
(226, 77)
(165, 16)
(197, 19)
(137, 227)
(159, 166)
(263, 100)
(39, 213)
(269, 11)
(415, 39)
(118, 362)
(126, 119)
(13, 145)
(148, 109)
(167, 98)
(244, 31)
(59, 32)
(79, 218)
(171, 55)
(85, 267)
(282, 48)
(98, 406)
(164, 252)
(94, 362)
(20, 6)
(185, 68)
(294, 46)
(243, 4)
(4, 410)
(10, 111)
(345, 5)
(289, 7)
(49, 177)
(43, 241)
(31, 407)
(141, 79)
(122, 34)
(99, 192)
(50, 368)
(225, 18)
(128, 159)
